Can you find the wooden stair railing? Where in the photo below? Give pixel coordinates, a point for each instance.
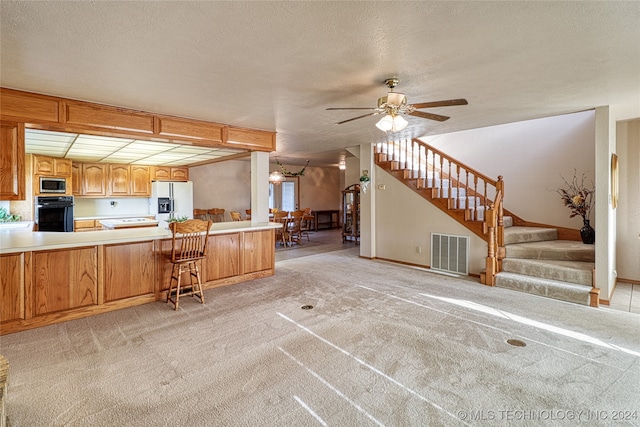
(442, 180)
(495, 248)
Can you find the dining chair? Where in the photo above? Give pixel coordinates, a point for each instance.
(282, 233)
(216, 214)
(295, 226)
(200, 214)
(248, 212)
(306, 226)
(188, 247)
(235, 216)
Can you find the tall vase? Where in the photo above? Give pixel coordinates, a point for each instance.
(587, 233)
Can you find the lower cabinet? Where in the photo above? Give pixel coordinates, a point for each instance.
(258, 253)
(224, 257)
(12, 287)
(64, 279)
(128, 270)
(39, 288)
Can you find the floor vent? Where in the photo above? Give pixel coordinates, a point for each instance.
(450, 253)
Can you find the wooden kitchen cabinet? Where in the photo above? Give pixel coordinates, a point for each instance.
(51, 166)
(119, 180)
(140, 181)
(166, 173)
(12, 161)
(105, 179)
(94, 179)
(257, 253)
(64, 279)
(129, 180)
(12, 287)
(129, 270)
(76, 179)
(223, 259)
(86, 225)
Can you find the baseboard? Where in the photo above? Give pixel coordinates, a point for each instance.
(631, 281)
(402, 262)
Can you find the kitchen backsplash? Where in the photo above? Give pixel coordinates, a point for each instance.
(110, 206)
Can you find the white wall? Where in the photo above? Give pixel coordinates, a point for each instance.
(135, 206)
(531, 156)
(319, 187)
(405, 222)
(227, 185)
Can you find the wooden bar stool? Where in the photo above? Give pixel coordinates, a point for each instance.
(188, 247)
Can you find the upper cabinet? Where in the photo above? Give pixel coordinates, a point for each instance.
(251, 139)
(19, 109)
(12, 161)
(140, 181)
(69, 115)
(51, 166)
(166, 173)
(119, 180)
(105, 180)
(94, 179)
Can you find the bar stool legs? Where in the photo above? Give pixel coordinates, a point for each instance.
(193, 289)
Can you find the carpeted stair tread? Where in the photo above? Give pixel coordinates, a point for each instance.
(564, 250)
(563, 291)
(565, 271)
(518, 234)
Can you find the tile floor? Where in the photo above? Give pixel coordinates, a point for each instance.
(626, 296)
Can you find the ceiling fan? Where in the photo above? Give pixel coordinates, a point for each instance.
(394, 105)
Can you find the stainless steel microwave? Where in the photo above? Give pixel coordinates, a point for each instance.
(53, 185)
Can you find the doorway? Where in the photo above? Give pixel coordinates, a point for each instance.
(285, 196)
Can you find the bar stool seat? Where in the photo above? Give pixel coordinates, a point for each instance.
(188, 247)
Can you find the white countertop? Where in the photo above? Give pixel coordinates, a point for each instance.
(11, 242)
(128, 222)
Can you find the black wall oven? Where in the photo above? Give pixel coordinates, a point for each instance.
(54, 213)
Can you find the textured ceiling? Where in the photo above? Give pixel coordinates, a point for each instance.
(279, 65)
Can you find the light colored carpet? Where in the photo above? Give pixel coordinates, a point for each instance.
(383, 345)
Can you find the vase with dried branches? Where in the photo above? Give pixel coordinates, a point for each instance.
(579, 198)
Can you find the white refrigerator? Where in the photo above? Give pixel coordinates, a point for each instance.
(171, 200)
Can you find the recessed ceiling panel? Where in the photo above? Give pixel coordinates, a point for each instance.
(92, 148)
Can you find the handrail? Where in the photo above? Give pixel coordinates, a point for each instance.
(462, 165)
(425, 162)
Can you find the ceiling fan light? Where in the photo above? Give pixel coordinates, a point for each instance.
(395, 98)
(385, 124)
(399, 123)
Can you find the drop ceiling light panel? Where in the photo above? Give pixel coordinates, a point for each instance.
(91, 148)
(48, 143)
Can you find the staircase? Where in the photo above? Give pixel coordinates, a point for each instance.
(523, 256)
(538, 263)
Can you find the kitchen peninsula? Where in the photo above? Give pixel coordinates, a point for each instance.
(53, 277)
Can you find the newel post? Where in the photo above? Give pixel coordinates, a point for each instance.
(500, 222)
(491, 263)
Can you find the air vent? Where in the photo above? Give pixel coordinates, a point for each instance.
(450, 253)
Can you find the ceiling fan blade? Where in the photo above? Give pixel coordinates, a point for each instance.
(446, 103)
(356, 118)
(351, 108)
(429, 116)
